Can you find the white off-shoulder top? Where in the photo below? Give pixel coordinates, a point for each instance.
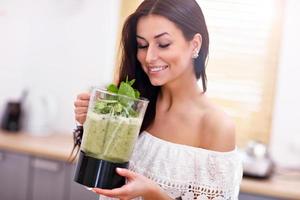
(186, 172)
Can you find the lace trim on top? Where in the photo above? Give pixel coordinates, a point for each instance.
(187, 172)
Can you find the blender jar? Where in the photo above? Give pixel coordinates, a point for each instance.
(111, 129)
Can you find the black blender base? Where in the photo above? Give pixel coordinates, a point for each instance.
(93, 172)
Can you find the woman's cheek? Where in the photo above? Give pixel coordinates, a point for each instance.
(139, 55)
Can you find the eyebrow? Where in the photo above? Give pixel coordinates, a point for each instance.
(157, 36)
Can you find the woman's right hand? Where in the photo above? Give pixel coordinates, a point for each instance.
(81, 107)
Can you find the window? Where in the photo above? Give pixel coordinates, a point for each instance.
(244, 48)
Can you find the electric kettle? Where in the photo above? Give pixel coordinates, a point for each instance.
(40, 109)
(257, 162)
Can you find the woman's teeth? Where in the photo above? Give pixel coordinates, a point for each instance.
(157, 69)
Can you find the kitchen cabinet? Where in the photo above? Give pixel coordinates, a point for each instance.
(24, 177)
(77, 191)
(14, 176)
(48, 179)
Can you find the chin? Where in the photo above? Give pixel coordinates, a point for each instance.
(157, 82)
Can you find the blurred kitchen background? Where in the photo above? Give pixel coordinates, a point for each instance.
(52, 50)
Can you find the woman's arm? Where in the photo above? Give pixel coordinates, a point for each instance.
(137, 185)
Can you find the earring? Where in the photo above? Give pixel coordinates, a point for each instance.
(195, 55)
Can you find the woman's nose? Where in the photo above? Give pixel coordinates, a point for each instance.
(151, 54)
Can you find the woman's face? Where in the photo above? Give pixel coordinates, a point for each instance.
(165, 55)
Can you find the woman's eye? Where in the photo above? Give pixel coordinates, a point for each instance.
(142, 46)
(164, 45)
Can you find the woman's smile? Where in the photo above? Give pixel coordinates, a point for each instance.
(156, 69)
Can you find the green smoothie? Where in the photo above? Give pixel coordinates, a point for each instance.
(121, 139)
(94, 134)
(110, 138)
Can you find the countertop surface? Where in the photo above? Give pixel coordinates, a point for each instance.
(281, 185)
(58, 146)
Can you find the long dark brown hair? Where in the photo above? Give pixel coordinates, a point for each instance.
(188, 17)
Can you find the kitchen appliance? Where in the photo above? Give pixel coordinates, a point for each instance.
(11, 119)
(257, 162)
(40, 110)
(110, 131)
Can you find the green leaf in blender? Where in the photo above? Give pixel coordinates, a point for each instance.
(131, 82)
(99, 105)
(126, 90)
(132, 112)
(119, 105)
(112, 88)
(137, 94)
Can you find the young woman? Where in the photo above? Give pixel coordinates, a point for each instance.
(186, 149)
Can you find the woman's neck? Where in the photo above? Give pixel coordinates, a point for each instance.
(178, 92)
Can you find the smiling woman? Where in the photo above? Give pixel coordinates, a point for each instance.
(186, 148)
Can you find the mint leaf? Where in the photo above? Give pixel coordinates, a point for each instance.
(99, 105)
(131, 82)
(119, 105)
(127, 90)
(102, 107)
(132, 112)
(137, 94)
(112, 88)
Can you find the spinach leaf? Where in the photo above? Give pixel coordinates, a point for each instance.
(112, 88)
(120, 105)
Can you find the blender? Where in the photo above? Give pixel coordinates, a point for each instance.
(111, 129)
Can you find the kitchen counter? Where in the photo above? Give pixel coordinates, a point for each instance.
(285, 185)
(58, 146)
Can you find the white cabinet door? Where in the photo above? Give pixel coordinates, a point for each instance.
(48, 180)
(14, 176)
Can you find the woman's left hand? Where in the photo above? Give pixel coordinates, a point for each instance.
(136, 186)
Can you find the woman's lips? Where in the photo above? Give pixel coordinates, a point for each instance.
(156, 69)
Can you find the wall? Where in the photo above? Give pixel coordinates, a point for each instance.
(285, 141)
(56, 47)
(63, 47)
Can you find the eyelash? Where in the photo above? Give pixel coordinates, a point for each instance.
(164, 45)
(142, 47)
(160, 45)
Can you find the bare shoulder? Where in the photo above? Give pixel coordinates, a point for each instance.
(219, 129)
